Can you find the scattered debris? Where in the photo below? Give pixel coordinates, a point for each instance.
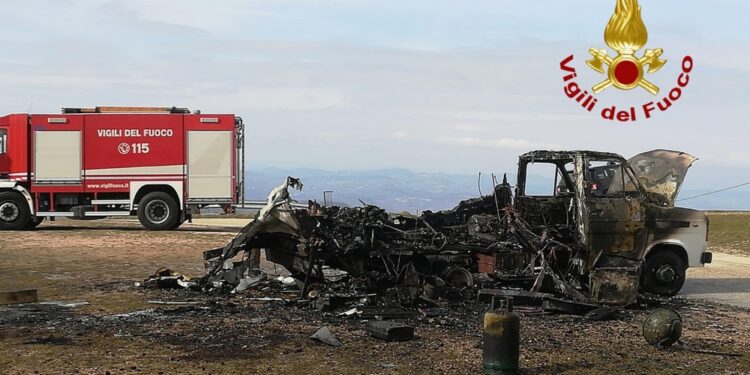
(603, 314)
(567, 307)
(173, 302)
(390, 331)
(575, 251)
(288, 281)
(248, 282)
(266, 299)
(336, 300)
(385, 313)
(350, 312)
(380, 260)
(19, 296)
(69, 304)
(134, 314)
(432, 312)
(520, 297)
(168, 279)
(325, 336)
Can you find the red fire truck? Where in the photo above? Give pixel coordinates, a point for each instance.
(161, 164)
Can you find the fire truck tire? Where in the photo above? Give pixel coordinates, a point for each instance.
(33, 223)
(664, 273)
(14, 211)
(158, 211)
(178, 224)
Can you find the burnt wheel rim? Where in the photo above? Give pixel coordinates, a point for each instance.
(157, 211)
(666, 274)
(9, 211)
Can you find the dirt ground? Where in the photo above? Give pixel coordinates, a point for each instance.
(119, 331)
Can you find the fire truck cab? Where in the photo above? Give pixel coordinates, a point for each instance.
(161, 164)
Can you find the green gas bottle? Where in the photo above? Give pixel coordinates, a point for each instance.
(501, 337)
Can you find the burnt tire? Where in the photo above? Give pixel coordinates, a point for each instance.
(158, 211)
(14, 211)
(663, 273)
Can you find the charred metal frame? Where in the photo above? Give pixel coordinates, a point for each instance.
(573, 244)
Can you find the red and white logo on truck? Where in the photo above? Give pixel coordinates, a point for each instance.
(162, 164)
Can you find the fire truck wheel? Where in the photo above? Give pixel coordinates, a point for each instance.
(33, 223)
(14, 211)
(664, 273)
(177, 224)
(158, 211)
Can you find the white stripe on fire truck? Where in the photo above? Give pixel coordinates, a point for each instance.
(170, 178)
(136, 175)
(130, 171)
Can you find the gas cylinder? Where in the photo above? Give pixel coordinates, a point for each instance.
(663, 327)
(501, 336)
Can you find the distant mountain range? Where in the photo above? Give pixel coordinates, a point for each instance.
(393, 189)
(399, 190)
(726, 200)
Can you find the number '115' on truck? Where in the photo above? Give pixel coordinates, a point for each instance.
(161, 164)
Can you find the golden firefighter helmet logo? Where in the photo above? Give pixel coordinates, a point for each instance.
(626, 33)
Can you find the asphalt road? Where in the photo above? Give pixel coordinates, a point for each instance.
(725, 280)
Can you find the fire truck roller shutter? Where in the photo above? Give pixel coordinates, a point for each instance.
(210, 165)
(57, 156)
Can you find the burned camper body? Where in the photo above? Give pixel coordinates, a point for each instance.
(584, 239)
(365, 241)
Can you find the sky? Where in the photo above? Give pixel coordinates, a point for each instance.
(427, 85)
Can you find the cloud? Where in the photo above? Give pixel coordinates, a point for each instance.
(279, 99)
(498, 143)
(513, 116)
(399, 135)
(730, 158)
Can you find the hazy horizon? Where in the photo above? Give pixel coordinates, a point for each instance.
(404, 189)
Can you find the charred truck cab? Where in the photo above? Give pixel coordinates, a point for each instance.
(620, 216)
(161, 164)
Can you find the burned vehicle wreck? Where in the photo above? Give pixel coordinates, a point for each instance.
(618, 213)
(598, 229)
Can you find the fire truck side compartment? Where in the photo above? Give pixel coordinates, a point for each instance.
(101, 161)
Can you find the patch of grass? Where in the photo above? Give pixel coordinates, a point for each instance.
(729, 232)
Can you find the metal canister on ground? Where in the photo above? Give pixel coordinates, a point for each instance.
(500, 349)
(662, 328)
